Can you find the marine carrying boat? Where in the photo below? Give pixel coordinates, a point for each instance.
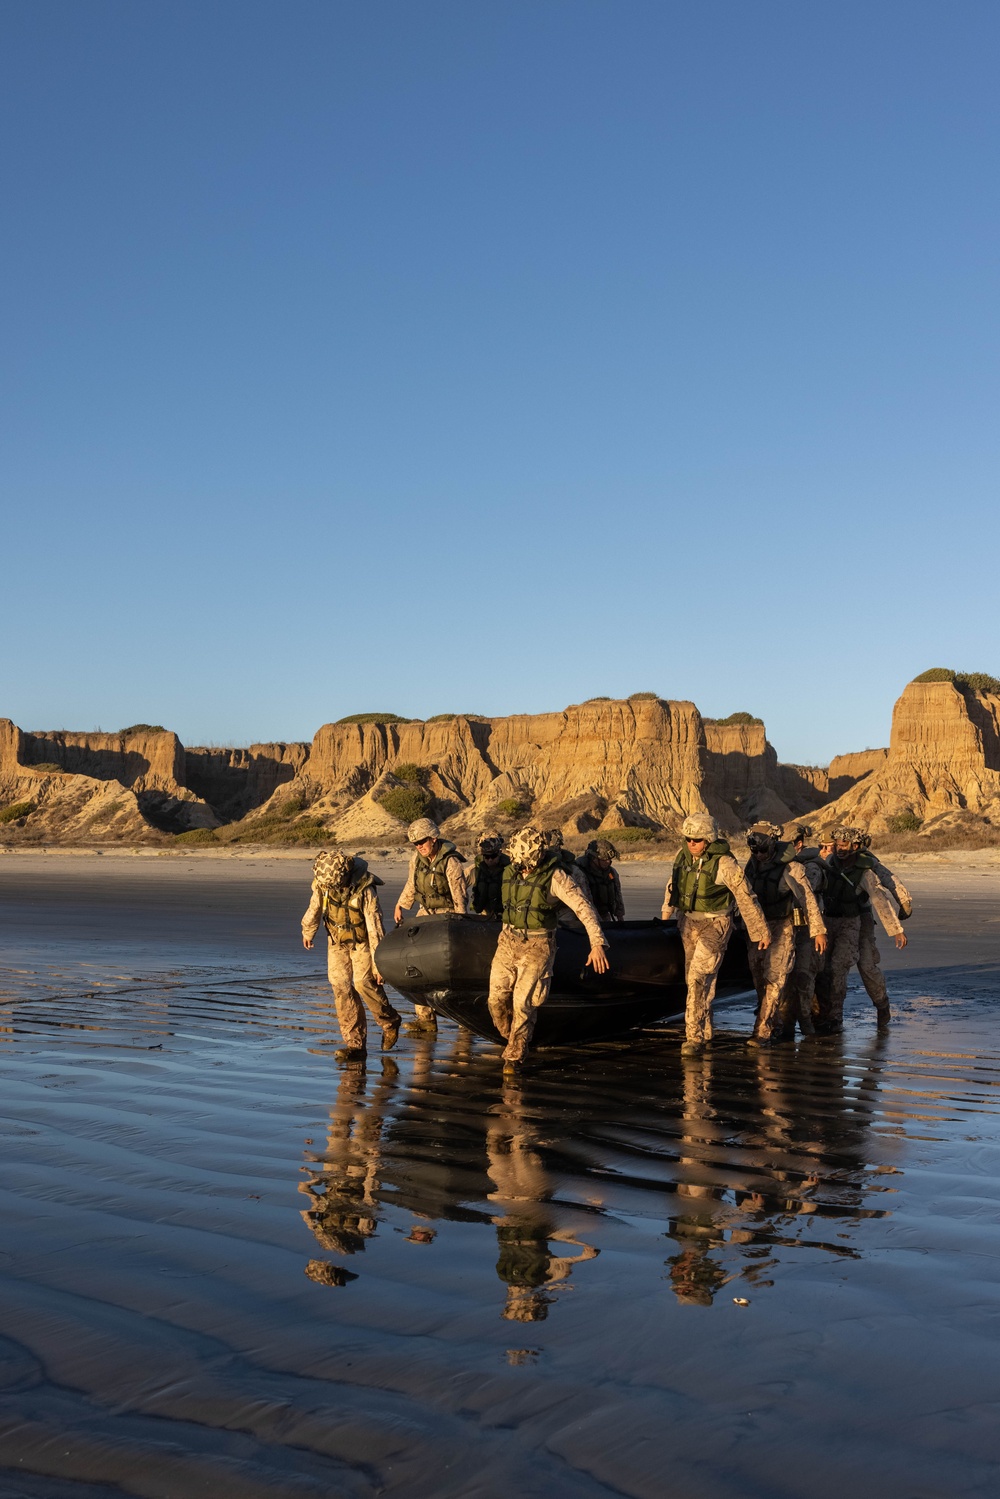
(444, 961)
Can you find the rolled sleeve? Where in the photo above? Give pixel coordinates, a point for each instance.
(457, 884)
(881, 904)
(313, 919)
(408, 895)
(371, 908)
(797, 882)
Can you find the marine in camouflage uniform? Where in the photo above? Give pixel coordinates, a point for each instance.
(437, 880)
(851, 886)
(602, 879)
(869, 957)
(486, 896)
(345, 901)
(705, 884)
(781, 886)
(534, 885)
(807, 962)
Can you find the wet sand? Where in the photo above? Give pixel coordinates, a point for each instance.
(230, 1267)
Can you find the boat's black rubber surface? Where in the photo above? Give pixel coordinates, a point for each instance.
(444, 961)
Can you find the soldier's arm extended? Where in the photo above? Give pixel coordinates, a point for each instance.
(565, 888)
(409, 892)
(797, 881)
(371, 909)
(313, 918)
(456, 884)
(668, 908)
(894, 885)
(731, 875)
(882, 906)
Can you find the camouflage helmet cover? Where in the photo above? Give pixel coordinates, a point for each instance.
(765, 830)
(845, 834)
(490, 835)
(331, 870)
(699, 825)
(421, 829)
(527, 847)
(602, 848)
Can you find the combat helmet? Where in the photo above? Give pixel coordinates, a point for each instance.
(699, 825)
(423, 828)
(490, 843)
(332, 871)
(763, 837)
(602, 848)
(527, 847)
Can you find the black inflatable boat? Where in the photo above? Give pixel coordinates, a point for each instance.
(444, 961)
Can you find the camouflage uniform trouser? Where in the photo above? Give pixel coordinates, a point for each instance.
(802, 982)
(349, 969)
(770, 970)
(843, 935)
(425, 1014)
(705, 940)
(868, 961)
(520, 979)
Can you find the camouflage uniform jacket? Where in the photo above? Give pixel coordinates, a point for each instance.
(565, 888)
(881, 902)
(893, 884)
(731, 875)
(371, 910)
(796, 882)
(455, 871)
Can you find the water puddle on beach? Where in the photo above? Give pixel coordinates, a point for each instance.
(231, 1267)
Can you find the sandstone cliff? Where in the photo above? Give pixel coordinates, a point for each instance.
(942, 767)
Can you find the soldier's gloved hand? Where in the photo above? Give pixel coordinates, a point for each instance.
(900, 940)
(598, 960)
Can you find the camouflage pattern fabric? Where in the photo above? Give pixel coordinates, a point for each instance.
(520, 979)
(868, 962)
(801, 987)
(843, 933)
(349, 970)
(331, 871)
(771, 969)
(705, 939)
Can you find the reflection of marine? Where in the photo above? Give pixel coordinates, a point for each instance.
(534, 884)
(345, 899)
(603, 883)
(695, 1276)
(704, 883)
(435, 879)
(783, 892)
(344, 1185)
(852, 886)
(524, 1231)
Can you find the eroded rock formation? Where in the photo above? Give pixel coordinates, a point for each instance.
(942, 768)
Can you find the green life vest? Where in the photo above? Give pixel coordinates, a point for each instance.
(487, 887)
(431, 879)
(764, 880)
(843, 896)
(693, 885)
(603, 887)
(343, 913)
(527, 904)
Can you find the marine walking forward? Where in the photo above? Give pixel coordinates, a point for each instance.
(535, 885)
(705, 884)
(779, 881)
(602, 879)
(345, 901)
(437, 880)
(852, 886)
(869, 957)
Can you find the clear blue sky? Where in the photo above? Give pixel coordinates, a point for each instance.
(494, 354)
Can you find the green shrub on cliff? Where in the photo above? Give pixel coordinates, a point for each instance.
(142, 728)
(512, 806)
(48, 767)
(17, 810)
(979, 681)
(414, 775)
(374, 718)
(904, 822)
(405, 803)
(733, 720)
(632, 835)
(197, 835)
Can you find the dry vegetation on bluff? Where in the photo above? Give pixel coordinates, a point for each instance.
(631, 767)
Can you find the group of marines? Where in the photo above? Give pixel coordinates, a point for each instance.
(808, 913)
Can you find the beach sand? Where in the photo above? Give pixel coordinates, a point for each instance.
(230, 1267)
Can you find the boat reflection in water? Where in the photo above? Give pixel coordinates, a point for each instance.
(747, 1159)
